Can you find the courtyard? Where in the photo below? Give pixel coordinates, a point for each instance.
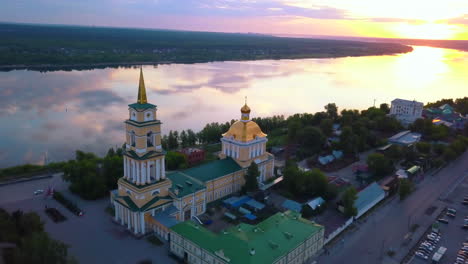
(93, 237)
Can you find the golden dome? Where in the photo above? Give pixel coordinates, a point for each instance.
(245, 109)
(244, 131)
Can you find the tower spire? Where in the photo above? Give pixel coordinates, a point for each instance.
(141, 90)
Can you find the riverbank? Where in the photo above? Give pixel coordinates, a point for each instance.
(48, 48)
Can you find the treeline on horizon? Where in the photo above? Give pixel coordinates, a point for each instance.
(48, 45)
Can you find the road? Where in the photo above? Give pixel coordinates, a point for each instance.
(386, 228)
(25, 190)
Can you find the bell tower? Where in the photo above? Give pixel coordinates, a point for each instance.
(144, 156)
(144, 188)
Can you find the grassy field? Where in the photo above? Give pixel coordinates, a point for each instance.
(75, 47)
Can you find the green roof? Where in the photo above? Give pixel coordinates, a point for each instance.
(133, 207)
(143, 185)
(149, 154)
(271, 239)
(413, 169)
(138, 106)
(214, 169)
(142, 124)
(183, 184)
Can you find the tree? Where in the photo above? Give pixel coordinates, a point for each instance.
(33, 245)
(379, 165)
(191, 137)
(172, 142)
(315, 183)
(349, 197)
(394, 153)
(438, 149)
(385, 108)
(306, 211)
(423, 147)
(293, 128)
(449, 154)
(251, 182)
(184, 139)
(332, 111)
(41, 249)
(326, 125)
(348, 140)
(406, 188)
(311, 139)
(175, 160)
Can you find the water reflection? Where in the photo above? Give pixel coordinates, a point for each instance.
(59, 112)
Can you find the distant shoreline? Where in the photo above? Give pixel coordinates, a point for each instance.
(104, 65)
(51, 48)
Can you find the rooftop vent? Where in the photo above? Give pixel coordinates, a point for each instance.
(188, 183)
(288, 235)
(273, 245)
(179, 186)
(252, 251)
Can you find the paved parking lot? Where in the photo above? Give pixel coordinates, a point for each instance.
(93, 238)
(452, 234)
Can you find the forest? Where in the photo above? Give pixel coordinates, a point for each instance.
(49, 47)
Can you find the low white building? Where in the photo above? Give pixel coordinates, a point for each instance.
(406, 111)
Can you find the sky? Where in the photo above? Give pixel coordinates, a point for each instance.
(427, 19)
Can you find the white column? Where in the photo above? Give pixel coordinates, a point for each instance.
(135, 222)
(129, 169)
(116, 212)
(163, 169)
(137, 173)
(158, 170)
(128, 218)
(250, 152)
(148, 172)
(125, 166)
(133, 171)
(142, 223)
(121, 214)
(237, 152)
(143, 173)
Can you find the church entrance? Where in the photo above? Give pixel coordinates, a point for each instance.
(187, 215)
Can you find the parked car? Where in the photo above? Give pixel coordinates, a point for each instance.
(421, 255)
(450, 214)
(451, 210)
(443, 220)
(37, 192)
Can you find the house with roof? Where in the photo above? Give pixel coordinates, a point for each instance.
(405, 138)
(368, 198)
(282, 238)
(149, 199)
(445, 115)
(406, 111)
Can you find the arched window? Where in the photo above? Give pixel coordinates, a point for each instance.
(150, 139)
(132, 139)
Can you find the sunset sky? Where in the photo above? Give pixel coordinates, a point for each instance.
(432, 19)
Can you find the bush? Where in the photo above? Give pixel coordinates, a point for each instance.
(67, 203)
(154, 240)
(406, 187)
(379, 165)
(306, 211)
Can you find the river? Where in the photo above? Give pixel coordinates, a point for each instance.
(59, 112)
